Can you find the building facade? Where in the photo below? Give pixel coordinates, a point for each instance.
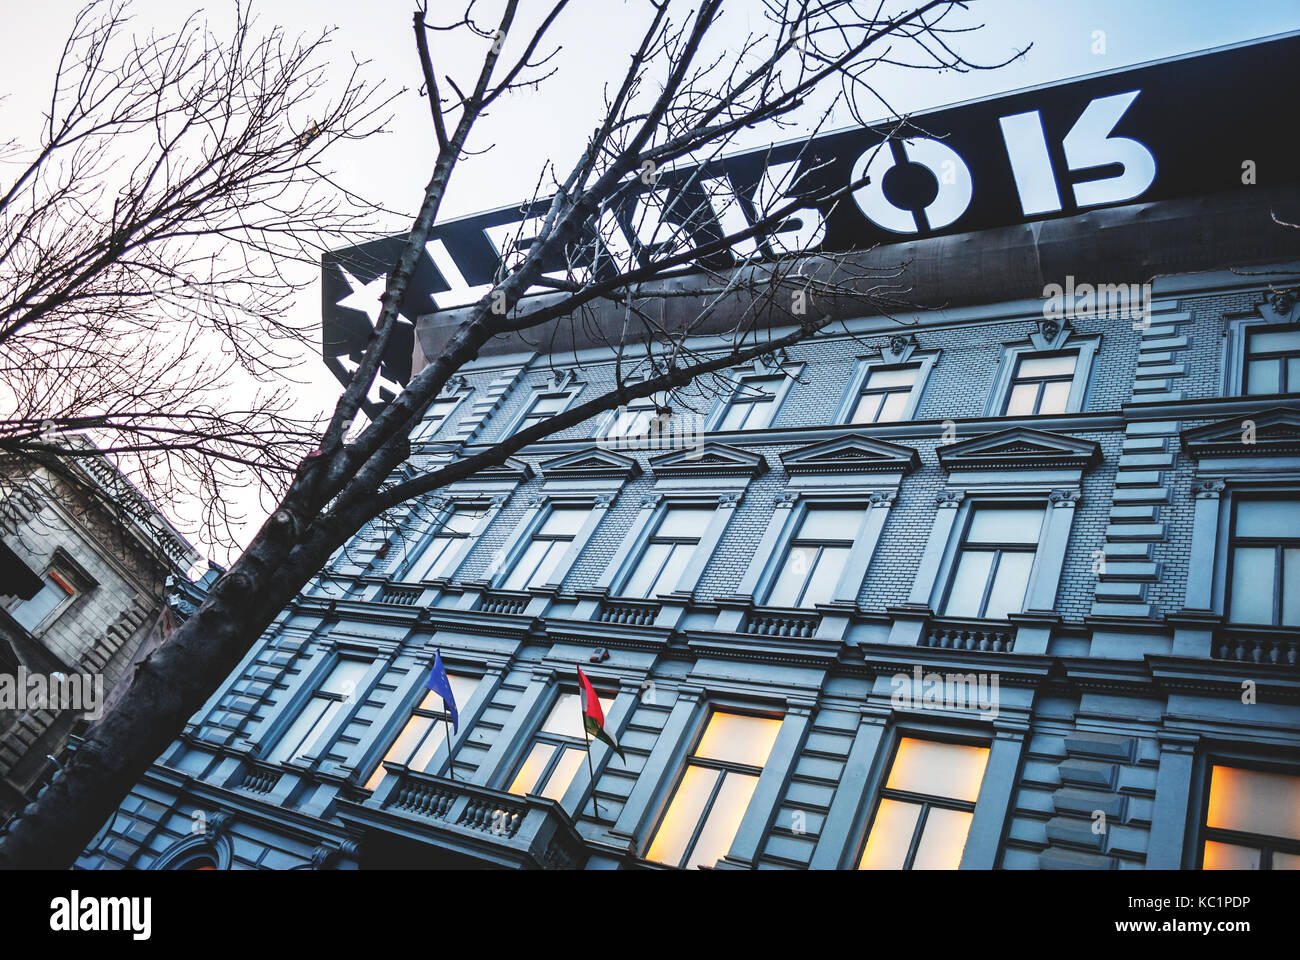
(92, 570)
(1009, 582)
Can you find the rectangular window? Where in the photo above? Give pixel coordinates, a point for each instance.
(547, 546)
(447, 535)
(55, 591)
(668, 551)
(752, 405)
(1264, 583)
(543, 407)
(557, 751)
(632, 420)
(1273, 360)
(884, 395)
(435, 417)
(991, 574)
(926, 807)
(425, 730)
(815, 557)
(1041, 384)
(710, 801)
(1252, 821)
(304, 734)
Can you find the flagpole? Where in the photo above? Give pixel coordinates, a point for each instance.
(591, 769)
(451, 755)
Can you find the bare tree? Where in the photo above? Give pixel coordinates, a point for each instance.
(689, 90)
(151, 244)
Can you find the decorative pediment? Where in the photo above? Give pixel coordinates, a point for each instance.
(1051, 334)
(708, 459)
(852, 453)
(512, 469)
(591, 462)
(1271, 433)
(1019, 448)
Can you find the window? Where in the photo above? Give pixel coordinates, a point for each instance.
(632, 420)
(992, 570)
(1265, 577)
(752, 405)
(425, 730)
(1252, 821)
(542, 407)
(1041, 384)
(668, 551)
(56, 590)
(714, 792)
(447, 534)
(926, 807)
(546, 548)
(884, 395)
(815, 558)
(435, 417)
(1273, 360)
(304, 733)
(557, 751)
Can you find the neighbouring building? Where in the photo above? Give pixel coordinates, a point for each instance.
(91, 571)
(1010, 580)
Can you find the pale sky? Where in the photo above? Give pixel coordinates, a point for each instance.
(531, 127)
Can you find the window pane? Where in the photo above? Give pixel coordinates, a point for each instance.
(31, 612)
(550, 560)
(1229, 856)
(409, 739)
(1264, 376)
(565, 718)
(429, 746)
(828, 524)
(1269, 519)
(313, 739)
(724, 820)
(298, 730)
(1271, 342)
(1005, 525)
(1285, 861)
(968, 583)
(565, 521)
(760, 415)
(548, 405)
(794, 573)
(432, 559)
(1046, 366)
(1292, 386)
(683, 815)
(1254, 801)
(526, 778)
(1291, 587)
(821, 586)
(345, 676)
(685, 522)
(1022, 400)
(891, 835)
(462, 688)
(562, 775)
(1056, 397)
(1009, 583)
(904, 377)
(868, 408)
(678, 557)
(739, 739)
(734, 418)
(952, 770)
(647, 570)
(1252, 585)
(527, 564)
(892, 410)
(943, 839)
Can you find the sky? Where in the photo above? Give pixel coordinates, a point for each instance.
(527, 129)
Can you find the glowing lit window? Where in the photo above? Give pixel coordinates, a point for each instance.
(447, 533)
(546, 548)
(714, 792)
(991, 573)
(884, 395)
(305, 734)
(425, 730)
(1041, 384)
(815, 557)
(926, 807)
(558, 749)
(1264, 580)
(1252, 821)
(668, 551)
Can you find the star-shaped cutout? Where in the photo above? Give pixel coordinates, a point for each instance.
(364, 297)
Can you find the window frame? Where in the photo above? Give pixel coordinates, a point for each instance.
(427, 429)
(58, 573)
(1279, 546)
(1041, 381)
(520, 420)
(861, 376)
(309, 697)
(786, 376)
(791, 541)
(531, 534)
(1000, 392)
(998, 548)
(1237, 361)
(438, 530)
(646, 540)
(1202, 832)
(438, 717)
(559, 742)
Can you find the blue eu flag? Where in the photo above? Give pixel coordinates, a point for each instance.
(441, 685)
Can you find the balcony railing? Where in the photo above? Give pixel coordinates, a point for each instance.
(960, 635)
(402, 596)
(501, 604)
(1257, 648)
(778, 623)
(628, 612)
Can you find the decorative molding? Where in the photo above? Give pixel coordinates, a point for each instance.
(1063, 498)
(1281, 305)
(602, 501)
(454, 385)
(786, 499)
(1207, 489)
(883, 498)
(949, 499)
(513, 469)
(1019, 448)
(651, 500)
(711, 459)
(594, 462)
(898, 348)
(729, 501)
(1051, 334)
(1269, 433)
(851, 453)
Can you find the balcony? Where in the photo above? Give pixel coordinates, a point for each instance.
(781, 623)
(1266, 645)
(465, 820)
(968, 635)
(628, 612)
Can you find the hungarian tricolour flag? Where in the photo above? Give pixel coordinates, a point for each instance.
(593, 718)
